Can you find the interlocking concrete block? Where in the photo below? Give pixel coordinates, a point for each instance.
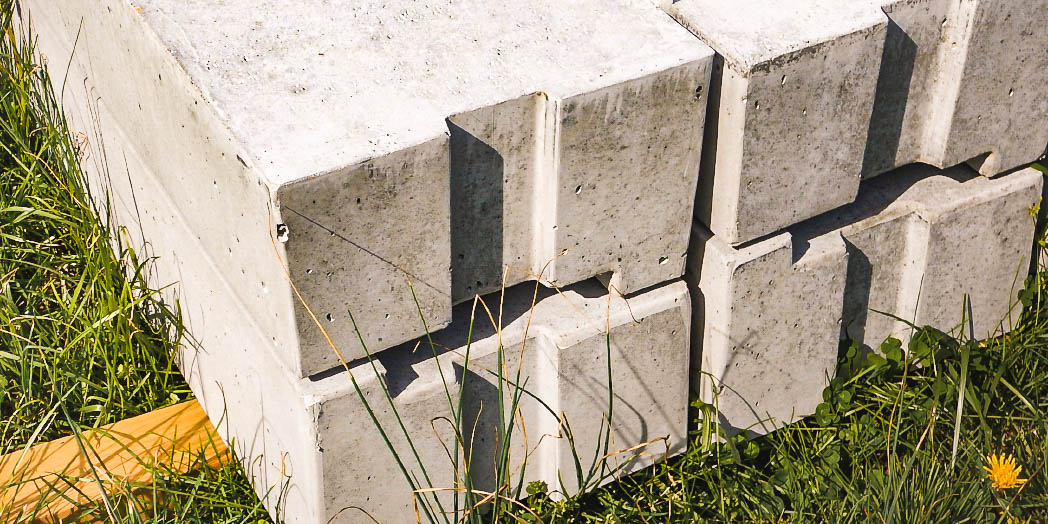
(316, 143)
(766, 325)
(310, 448)
(935, 239)
(560, 196)
(960, 81)
(769, 315)
(322, 446)
(789, 111)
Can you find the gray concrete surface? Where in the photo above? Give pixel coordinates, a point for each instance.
(298, 141)
(769, 315)
(923, 81)
(308, 446)
(794, 93)
(960, 82)
(322, 447)
(367, 155)
(766, 322)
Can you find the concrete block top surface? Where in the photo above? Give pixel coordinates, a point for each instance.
(308, 89)
(772, 29)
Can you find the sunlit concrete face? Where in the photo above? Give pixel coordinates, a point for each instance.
(769, 316)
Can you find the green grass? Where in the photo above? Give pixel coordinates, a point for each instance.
(73, 326)
(84, 341)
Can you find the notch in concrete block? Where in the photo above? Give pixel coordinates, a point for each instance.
(766, 325)
(563, 186)
(793, 99)
(921, 239)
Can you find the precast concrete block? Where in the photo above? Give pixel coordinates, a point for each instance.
(793, 93)
(960, 81)
(390, 158)
(562, 353)
(924, 240)
(769, 315)
(309, 446)
(568, 194)
(766, 324)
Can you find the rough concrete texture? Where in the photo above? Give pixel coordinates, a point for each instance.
(793, 96)
(768, 315)
(960, 81)
(307, 445)
(550, 197)
(933, 240)
(328, 128)
(324, 448)
(766, 325)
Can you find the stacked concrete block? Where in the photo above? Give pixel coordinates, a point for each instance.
(769, 315)
(812, 96)
(960, 81)
(309, 445)
(289, 167)
(300, 143)
(321, 453)
(284, 177)
(793, 94)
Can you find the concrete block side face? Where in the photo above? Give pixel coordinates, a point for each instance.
(805, 132)
(906, 84)
(564, 368)
(767, 365)
(356, 238)
(947, 96)
(229, 358)
(359, 471)
(881, 260)
(780, 107)
(982, 251)
(627, 174)
(263, 418)
(649, 380)
(228, 362)
(495, 155)
(562, 360)
(127, 97)
(1002, 100)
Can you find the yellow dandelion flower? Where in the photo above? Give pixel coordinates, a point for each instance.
(1003, 471)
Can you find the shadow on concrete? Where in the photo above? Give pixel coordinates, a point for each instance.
(889, 103)
(708, 159)
(856, 294)
(476, 173)
(874, 196)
